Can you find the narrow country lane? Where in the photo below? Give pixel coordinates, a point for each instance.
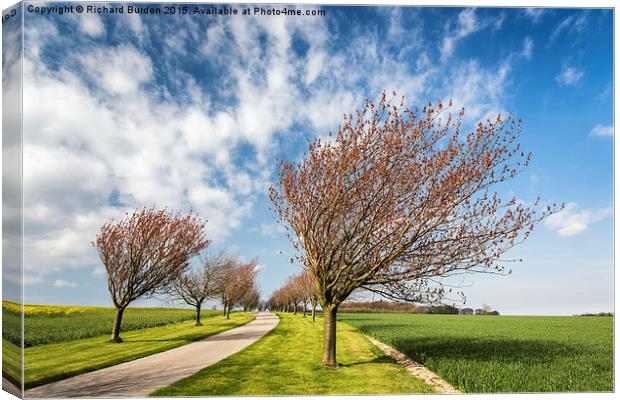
(145, 375)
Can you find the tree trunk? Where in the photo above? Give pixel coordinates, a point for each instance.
(116, 328)
(295, 309)
(313, 311)
(198, 323)
(329, 336)
(304, 309)
(228, 312)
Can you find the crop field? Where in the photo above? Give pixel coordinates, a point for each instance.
(484, 354)
(45, 324)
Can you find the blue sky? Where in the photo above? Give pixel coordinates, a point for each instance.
(125, 111)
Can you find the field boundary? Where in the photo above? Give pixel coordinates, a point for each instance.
(416, 369)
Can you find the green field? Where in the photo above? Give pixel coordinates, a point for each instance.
(478, 354)
(55, 324)
(69, 340)
(287, 362)
(484, 354)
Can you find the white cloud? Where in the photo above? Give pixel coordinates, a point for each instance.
(498, 22)
(32, 279)
(91, 25)
(135, 24)
(571, 221)
(272, 229)
(99, 271)
(60, 283)
(118, 70)
(314, 67)
(570, 24)
(134, 144)
(535, 14)
(564, 24)
(140, 151)
(478, 90)
(602, 131)
(214, 40)
(568, 76)
(467, 24)
(535, 180)
(528, 48)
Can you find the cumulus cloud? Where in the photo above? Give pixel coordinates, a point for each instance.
(121, 127)
(77, 162)
(135, 23)
(91, 25)
(568, 76)
(571, 221)
(118, 70)
(60, 283)
(11, 159)
(602, 131)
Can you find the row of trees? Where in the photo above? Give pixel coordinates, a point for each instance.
(223, 277)
(398, 199)
(148, 253)
(298, 291)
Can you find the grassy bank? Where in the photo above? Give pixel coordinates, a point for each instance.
(55, 361)
(287, 362)
(502, 353)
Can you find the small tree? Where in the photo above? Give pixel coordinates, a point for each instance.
(145, 252)
(194, 287)
(306, 285)
(239, 279)
(295, 295)
(278, 300)
(400, 198)
(250, 300)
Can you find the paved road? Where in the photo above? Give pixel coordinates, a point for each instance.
(145, 375)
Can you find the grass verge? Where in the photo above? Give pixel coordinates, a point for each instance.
(490, 354)
(11, 362)
(52, 362)
(287, 362)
